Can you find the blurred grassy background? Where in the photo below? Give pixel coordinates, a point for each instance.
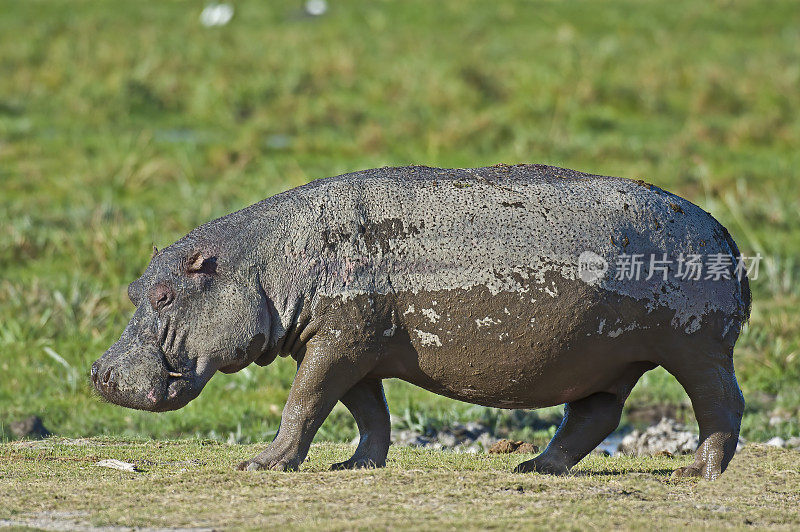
(128, 124)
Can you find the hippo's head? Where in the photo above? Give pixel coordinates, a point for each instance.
(195, 314)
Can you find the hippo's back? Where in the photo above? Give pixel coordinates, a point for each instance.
(516, 229)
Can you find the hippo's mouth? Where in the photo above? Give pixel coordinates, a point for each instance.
(177, 392)
(175, 387)
(177, 378)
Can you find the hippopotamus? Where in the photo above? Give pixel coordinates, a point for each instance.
(470, 283)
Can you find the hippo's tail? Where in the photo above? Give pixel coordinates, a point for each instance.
(741, 275)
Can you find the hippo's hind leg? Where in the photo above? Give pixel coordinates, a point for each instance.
(367, 403)
(586, 423)
(718, 405)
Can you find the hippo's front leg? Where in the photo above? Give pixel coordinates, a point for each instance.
(323, 377)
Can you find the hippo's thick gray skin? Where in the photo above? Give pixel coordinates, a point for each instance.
(463, 282)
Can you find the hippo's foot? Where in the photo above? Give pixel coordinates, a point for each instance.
(688, 471)
(272, 461)
(367, 403)
(542, 465)
(358, 463)
(709, 469)
(271, 465)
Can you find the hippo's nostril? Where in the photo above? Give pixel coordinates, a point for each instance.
(109, 378)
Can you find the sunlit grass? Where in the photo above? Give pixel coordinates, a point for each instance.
(192, 483)
(125, 127)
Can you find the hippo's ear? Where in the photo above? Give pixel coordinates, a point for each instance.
(198, 262)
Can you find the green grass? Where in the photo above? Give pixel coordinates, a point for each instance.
(193, 484)
(128, 125)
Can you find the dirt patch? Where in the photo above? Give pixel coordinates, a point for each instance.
(509, 446)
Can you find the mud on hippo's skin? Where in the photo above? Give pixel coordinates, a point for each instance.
(462, 281)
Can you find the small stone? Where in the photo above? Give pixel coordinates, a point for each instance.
(668, 435)
(777, 441)
(447, 440)
(409, 437)
(30, 428)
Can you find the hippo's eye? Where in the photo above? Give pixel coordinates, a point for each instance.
(200, 263)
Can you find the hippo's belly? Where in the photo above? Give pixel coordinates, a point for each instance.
(525, 349)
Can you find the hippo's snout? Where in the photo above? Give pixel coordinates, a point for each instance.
(136, 375)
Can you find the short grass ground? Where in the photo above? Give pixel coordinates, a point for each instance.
(193, 484)
(126, 126)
